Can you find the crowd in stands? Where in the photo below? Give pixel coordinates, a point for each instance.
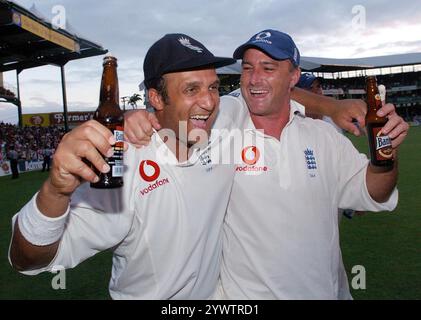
(389, 80)
(403, 90)
(30, 143)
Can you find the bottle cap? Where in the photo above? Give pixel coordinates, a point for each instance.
(109, 58)
(382, 92)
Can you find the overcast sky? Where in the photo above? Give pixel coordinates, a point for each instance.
(127, 28)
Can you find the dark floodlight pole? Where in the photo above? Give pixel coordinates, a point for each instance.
(19, 105)
(63, 88)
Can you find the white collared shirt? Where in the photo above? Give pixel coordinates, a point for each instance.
(165, 231)
(281, 238)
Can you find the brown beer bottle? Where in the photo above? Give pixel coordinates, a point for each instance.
(379, 144)
(111, 116)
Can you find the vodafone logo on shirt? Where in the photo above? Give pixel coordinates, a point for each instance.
(149, 171)
(250, 156)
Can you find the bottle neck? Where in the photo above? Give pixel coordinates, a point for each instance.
(373, 97)
(109, 92)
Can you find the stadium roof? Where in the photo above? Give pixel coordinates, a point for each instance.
(332, 65)
(339, 65)
(27, 40)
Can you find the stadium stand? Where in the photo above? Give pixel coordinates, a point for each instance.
(29, 142)
(27, 40)
(403, 90)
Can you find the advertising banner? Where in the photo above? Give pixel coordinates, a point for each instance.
(73, 118)
(5, 168)
(36, 119)
(23, 166)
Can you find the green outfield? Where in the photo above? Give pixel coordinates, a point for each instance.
(387, 245)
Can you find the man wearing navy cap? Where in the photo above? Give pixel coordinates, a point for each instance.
(165, 225)
(281, 238)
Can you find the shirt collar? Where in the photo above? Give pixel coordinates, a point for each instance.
(165, 155)
(296, 109)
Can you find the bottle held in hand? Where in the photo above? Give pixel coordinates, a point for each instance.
(111, 116)
(380, 145)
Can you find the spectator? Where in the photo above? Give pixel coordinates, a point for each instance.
(47, 158)
(13, 157)
(311, 83)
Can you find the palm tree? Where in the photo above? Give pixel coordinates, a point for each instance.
(134, 99)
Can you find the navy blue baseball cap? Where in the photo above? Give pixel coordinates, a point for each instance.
(178, 52)
(276, 44)
(306, 80)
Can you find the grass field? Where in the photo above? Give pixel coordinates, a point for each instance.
(387, 245)
(89, 280)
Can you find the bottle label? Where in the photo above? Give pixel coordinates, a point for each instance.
(119, 135)
(117, 169)
(383, 145)
(116, 161)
